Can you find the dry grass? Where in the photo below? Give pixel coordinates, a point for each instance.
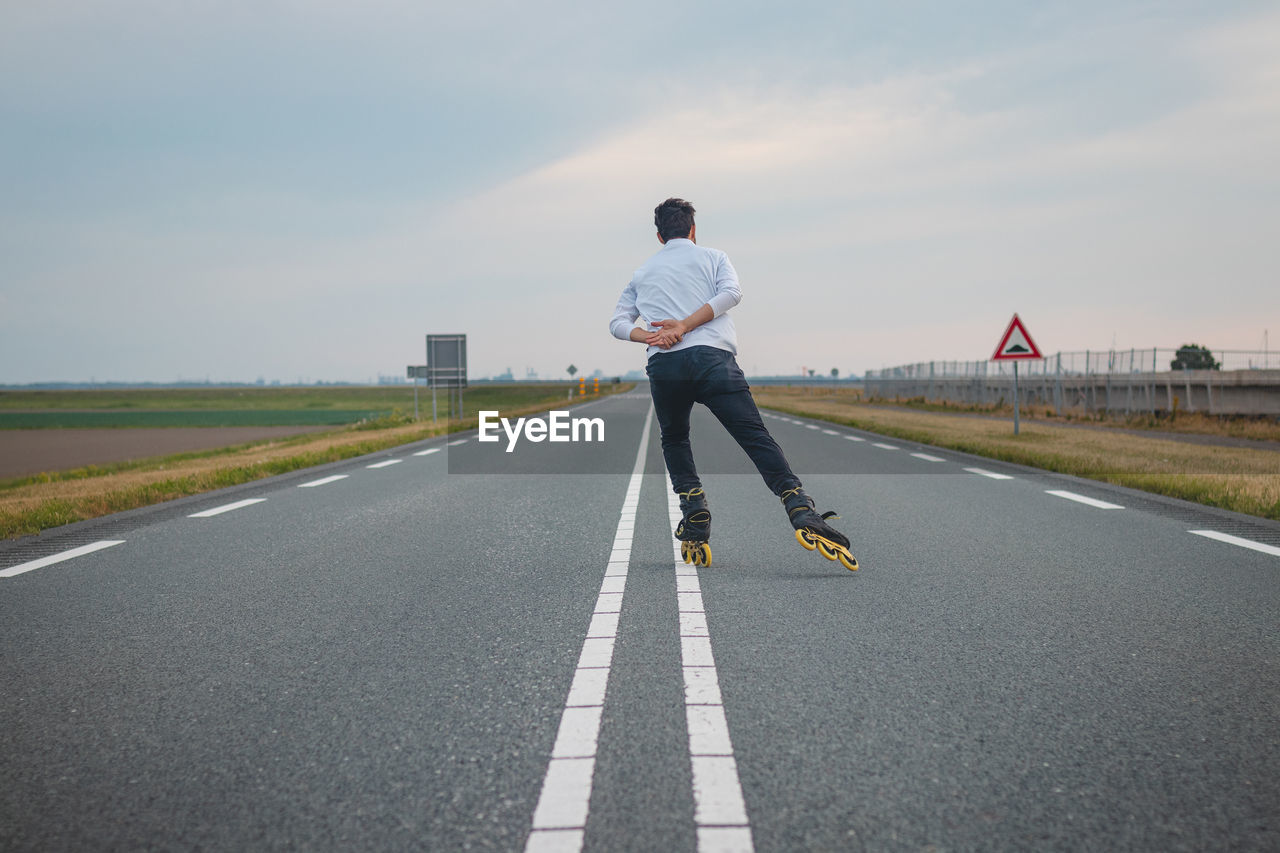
(1241, 479)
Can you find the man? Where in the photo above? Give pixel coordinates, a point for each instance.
(691, 360)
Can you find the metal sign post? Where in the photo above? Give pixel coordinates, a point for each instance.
(416, 372)
(1015, 346)
(1015, 398)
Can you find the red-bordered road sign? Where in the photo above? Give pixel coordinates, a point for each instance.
(1016, 343)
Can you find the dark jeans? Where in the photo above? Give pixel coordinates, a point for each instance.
(712, 377)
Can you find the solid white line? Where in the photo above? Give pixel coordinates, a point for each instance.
(718, 796)
(719, 811)
(23, 568)
(1236, 540)
(884, 446)
(1072, 496)
(335, 478)
(385, 464)
(560, 819)
(209, 513)
(992, 474)
(569, 779)
(427, 452)
(927, 458)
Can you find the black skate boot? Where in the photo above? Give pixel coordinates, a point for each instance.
(812, 530)
(694, 529)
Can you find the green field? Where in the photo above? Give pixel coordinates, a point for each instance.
(191, 418)
(31, 504)
(222, 407)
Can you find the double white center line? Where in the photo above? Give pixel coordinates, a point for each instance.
(720, 814)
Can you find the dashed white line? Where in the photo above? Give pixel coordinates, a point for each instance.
(326, 481)
(811, 426)
(427, 452)
(385, 464)
(719, 811)
(456, 443)
(1072, 496)
(829, 432)
(884, 446)
(22, 568)
(560, 819)
(1236, 540)
(854, 438)
(985, 473)
(219, 510)
(927, 458)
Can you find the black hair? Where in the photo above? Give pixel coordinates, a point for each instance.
(674, 218)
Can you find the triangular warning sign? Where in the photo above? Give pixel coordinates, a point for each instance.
(1016, 343)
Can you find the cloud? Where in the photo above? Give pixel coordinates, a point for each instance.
(874, 217)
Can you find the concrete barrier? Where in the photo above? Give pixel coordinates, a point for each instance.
(1216, 392)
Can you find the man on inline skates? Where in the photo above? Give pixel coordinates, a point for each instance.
(691, 360)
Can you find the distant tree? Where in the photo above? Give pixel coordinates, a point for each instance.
(572, 370)
(811, 372)
(835, 373)
(1194, 357)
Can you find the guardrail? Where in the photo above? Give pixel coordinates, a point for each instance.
(1245, 383)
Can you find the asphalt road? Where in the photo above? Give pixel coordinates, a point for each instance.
(404, 659)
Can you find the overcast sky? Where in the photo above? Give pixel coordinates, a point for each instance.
(295, 189)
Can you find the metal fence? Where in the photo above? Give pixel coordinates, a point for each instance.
(1128, 381)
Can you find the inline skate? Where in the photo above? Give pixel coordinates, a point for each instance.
(812, 530)
(694, 529)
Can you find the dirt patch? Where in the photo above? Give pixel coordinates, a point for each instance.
(24, 452)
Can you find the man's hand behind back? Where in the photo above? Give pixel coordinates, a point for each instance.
(668, 334)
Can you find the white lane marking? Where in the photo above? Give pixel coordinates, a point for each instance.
(1072, 496)
(23, 568)
(326, 481)
(570, 780)
(385, 464)
(927, 458)
(854, 438)
(992, 474)
(829, 432)
(219, 510)
(456, 443)
(884, 446)
(560, 819)
(812, 426)
(724, 839)
(719, 811)
(1236, 540)
(427, 452)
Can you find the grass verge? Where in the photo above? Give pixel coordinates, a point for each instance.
(29, 505)
(1240, 479)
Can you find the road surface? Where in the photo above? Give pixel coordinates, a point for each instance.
(448, 646)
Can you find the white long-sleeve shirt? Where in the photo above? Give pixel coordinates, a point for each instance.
(678, 280)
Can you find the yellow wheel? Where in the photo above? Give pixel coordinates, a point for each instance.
(848, 562)
(706, 554)
(826, 550)
(805, 539)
